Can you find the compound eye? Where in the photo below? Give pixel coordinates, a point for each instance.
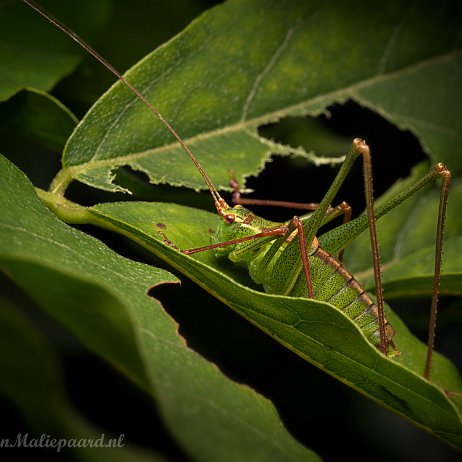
(229, 218)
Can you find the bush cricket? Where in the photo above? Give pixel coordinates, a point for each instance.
(290, 258)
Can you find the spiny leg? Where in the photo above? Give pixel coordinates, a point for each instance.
(364, 149)
(342, 209)
(283, 230)
(446, 175)
(331, 242)
(316, 220)
(438, 170)
(238, 199)
(347, 214)
(279, 231)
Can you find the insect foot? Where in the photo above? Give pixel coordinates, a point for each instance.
(168, 242)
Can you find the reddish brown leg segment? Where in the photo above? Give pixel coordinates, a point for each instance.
(238, 199)
(304, 254)
(276, 232)
(446, 175)
(363, 148)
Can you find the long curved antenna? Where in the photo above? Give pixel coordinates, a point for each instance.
(220, 203)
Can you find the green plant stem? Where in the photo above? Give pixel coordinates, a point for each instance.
(66, 210)
(76, 214)
(61, 181)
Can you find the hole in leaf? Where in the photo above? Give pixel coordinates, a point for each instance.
(394, 153)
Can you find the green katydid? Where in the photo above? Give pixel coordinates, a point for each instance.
(288, 258)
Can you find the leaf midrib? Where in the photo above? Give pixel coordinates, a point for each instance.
(452, 415)
(249, 125)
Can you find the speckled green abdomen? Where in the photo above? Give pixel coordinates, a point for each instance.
(276, 264)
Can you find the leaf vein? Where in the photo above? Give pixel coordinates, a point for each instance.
(270, 64)
(301, 107)
(392, 40)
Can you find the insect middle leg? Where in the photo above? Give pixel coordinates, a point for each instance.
(343, 209)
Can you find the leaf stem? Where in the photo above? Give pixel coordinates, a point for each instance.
(75, 214)
(60, 182)
(66, 210)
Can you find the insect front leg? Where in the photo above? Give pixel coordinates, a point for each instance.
(271, 233)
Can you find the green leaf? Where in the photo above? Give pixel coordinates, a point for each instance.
(38, 116)
(33, 54)
(102, 298)
(136, 29)
(232, 71)
(437, 125)
(314, 330)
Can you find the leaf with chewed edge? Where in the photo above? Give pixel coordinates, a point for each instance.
(314, 330)
(243, 64)
(102, 298)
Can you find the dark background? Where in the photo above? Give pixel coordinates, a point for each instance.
(320, 412)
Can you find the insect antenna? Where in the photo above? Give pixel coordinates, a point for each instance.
(220, 203)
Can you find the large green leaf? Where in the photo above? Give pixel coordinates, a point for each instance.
(245, 64)
(235, 69)
(102, 298)
(314, 330)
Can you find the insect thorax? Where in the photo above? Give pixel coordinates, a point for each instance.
(245, 224)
